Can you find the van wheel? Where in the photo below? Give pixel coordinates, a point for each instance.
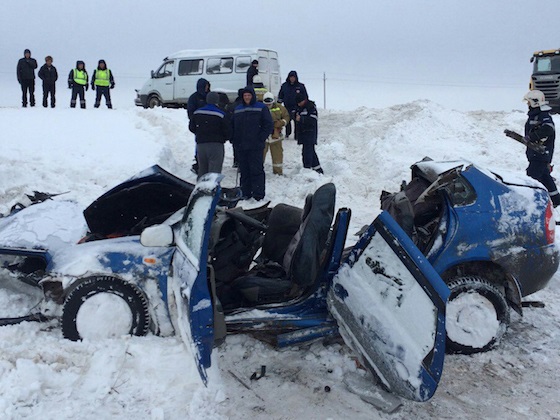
(153, 101)
(477, 315)
(104, 307)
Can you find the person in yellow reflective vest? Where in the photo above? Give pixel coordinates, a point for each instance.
(280, 118)
(101, 81)
(78, 81)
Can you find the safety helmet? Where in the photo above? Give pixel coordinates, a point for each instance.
(536, 99)
(268, 98)
(257, 79)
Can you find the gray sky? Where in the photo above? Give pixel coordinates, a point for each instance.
(370, 46)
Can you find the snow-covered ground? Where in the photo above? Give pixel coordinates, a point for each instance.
(83, 153)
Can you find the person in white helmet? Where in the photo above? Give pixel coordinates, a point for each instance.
(280, 118)
(540, 129)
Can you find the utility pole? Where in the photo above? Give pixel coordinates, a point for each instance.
(324, 91)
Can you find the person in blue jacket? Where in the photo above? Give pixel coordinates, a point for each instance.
(540, 129)
(197, 100)
(251, 124)
(212, 128)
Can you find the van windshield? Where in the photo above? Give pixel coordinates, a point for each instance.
(547, 65)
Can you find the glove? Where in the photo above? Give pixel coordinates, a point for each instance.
(92, 86)
(87, 87)
(70, 85)
(112, 85)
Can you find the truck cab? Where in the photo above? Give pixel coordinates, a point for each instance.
(546, 76)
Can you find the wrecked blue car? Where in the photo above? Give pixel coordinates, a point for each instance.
(489, 234)
(280, 273)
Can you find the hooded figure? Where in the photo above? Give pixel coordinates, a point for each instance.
(78, 82)
(26, 77)
(102, 80)
(287, 95)
(198, 98)
(252, 124)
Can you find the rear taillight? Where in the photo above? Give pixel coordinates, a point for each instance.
(549, 223)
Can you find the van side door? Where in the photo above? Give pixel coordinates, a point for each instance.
(162, 81)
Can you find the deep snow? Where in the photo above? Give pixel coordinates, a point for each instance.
(363, 152)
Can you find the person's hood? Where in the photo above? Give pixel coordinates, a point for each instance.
(80, 62)
(290, 74)
(26, 51)
(201, 86)
(249, 89)
(99, 64)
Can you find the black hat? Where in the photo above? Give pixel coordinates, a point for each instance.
(255, 62)
(300, 97)
(213, 98)
(26, 51)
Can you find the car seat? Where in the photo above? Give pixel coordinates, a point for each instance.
(273, 281)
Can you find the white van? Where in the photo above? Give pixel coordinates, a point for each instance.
(226, 70)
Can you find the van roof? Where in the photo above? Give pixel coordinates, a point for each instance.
(216, 52)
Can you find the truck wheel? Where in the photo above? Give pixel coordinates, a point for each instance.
(153, 101)
(104, 307)
(477, 315)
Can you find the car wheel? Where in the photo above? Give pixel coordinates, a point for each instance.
(104, 307)
(153, 101)
(477, 315)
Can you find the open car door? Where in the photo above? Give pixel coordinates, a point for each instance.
(189, 298)
(389, 303)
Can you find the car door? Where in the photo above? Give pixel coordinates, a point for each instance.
(189, 297)
(390, 306)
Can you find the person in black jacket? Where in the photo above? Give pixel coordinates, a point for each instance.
(26, 77)
(252, 71)
(103, 81)
(540, 129)
(252, 124)
(287, 96)
(307, 118)
(211, 128)
(49, 76)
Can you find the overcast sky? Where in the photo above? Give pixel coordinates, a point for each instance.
(366, 46)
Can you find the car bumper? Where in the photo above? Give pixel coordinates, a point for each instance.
(141, 100)
(533, 268)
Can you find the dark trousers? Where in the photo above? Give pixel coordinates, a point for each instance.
(49, 88)
(251, 169)
(540, 171)
(309, 157)
(78, 90)
(105, 92)
(28, 85)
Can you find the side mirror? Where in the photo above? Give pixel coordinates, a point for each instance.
(158, 235)
(532, 59)
(152, 74)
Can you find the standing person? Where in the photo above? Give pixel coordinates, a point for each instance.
(211, 128)
(540, 129)
(287, 95)
(103, 80)
(251, 124)
(26, 77)
(197, 100)
(49, 76)
(252, 72)
(280, 118)
(78, 81)
(306, 126)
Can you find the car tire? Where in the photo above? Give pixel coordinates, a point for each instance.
(153, 101)
(477, 315)
(127, 296)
